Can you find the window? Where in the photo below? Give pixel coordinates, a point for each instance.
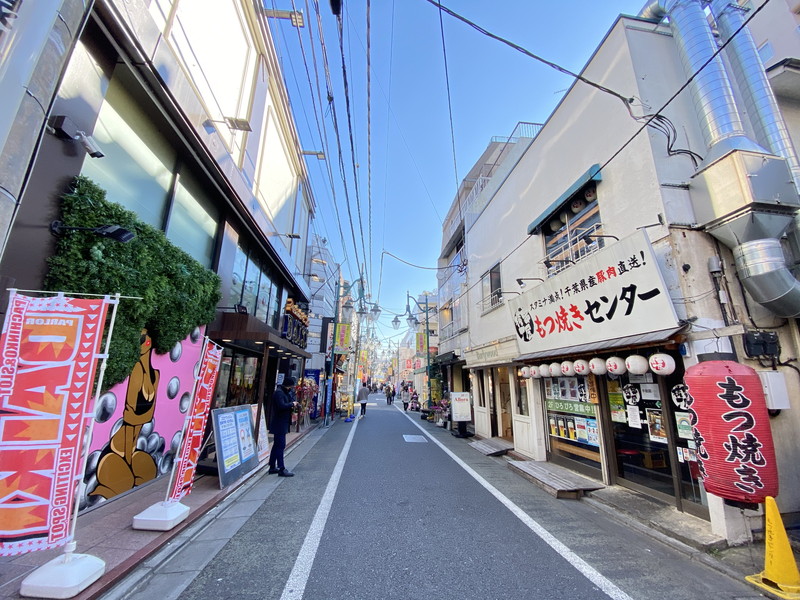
(522, 396)
(223, 79)
(565, 231)
(491, 295)
(136, 171)
(193, 221)
(766, 52)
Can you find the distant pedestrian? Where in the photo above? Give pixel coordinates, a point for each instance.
(388, 391)
(279, 423)
(405, 397)
(363, 396)
(394, 393)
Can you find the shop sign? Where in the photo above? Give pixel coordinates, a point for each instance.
(578, 408)
(614, 293)
(493, 354)
(295, 324)
(460, 406)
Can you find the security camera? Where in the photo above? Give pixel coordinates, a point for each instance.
(88, 143)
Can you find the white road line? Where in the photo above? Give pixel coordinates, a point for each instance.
(611, 590)
(298, 578)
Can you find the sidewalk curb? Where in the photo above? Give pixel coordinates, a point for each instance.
(690, 551)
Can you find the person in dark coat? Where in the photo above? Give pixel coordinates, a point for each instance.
(279, 422)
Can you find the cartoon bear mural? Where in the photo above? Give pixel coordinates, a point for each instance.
(128, 445)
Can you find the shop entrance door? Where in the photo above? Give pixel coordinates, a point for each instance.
(502, 396)
(492, 378)
(641, 444)
(479, 394)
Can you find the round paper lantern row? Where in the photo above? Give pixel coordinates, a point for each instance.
(661, 364)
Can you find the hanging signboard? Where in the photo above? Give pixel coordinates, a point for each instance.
(616, 292)
(460, 406)
(342, 340)
(235, 446)
(50, 347)
(196, 422)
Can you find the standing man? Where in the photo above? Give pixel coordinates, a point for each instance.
(280, 420)
(363, 396)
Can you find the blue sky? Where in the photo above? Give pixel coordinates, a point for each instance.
(411, 163)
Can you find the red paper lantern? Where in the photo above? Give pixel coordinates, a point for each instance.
(731, 431)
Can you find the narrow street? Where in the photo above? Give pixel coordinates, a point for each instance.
(392, 507)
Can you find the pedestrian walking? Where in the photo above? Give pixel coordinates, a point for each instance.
(405, 397)
(388, 391)
(394, 393)
(363, 396)
(279, 423)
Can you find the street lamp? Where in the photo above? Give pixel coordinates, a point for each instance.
(413, 323)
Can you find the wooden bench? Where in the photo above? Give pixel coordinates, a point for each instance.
(555, 480)
(492, 446)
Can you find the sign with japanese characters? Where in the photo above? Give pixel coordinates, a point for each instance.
(196, 422)
(614, 293)
(731, 431)
(50, 348)
(342, 340)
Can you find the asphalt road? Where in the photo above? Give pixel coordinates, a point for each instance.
(391, 507)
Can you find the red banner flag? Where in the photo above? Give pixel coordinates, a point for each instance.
(198, 414)
(50, 348)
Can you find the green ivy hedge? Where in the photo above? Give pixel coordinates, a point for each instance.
(178, 292)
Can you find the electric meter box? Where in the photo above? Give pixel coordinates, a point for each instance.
(774, 384)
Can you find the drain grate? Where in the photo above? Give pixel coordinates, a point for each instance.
(415, 438)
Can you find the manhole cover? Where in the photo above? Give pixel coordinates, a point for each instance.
(415, 438)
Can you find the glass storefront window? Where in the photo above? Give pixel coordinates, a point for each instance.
(193, 221)
(265, 292)
(572, 420)
(250, 290)
(237, 276)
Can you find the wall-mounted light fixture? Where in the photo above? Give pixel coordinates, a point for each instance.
(660, 222)
(234, 123)
(112, 232)
(548, 262)
(590, 238)
(521, 280)
(318, 153)
(66, 129)
(296, 17)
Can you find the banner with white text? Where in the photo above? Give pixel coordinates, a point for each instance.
(50, 347)
(196, 425)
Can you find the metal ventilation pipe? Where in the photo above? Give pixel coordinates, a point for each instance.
(762, 270)
(760, 263)
(759, 100)
(710, 89)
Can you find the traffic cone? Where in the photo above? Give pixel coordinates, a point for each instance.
(780, 575)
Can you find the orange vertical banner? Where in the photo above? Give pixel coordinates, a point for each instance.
(196, 424)
(50, 348)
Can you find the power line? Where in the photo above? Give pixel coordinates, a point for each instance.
(449, 100)
(519, 48)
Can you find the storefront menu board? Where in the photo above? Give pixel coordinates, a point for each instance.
(236, 448)
(578, 426)
(460, 406)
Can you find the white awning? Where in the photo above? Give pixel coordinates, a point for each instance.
(651, 337)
